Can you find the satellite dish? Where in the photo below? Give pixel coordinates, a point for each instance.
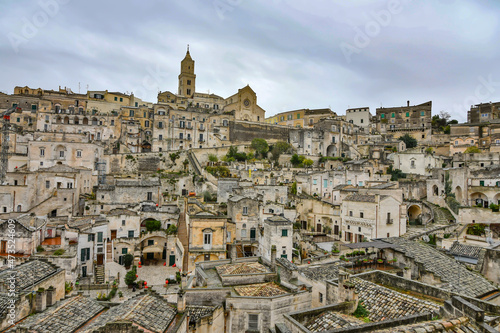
(426, 238)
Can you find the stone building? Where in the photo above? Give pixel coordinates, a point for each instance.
(277, 233)
(414, 120)
(370, 216)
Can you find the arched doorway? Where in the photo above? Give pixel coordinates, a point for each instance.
(435, 190)
(458, 194)
(479, 199)
(414, 214)
(331, 150)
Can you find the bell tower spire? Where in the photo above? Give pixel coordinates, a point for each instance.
(187, 78)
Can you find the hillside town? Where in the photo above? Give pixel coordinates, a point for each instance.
(201, 213)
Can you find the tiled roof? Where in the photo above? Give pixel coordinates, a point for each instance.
(67, 317)
(322, 272)
(287, 264)
(360, 198)
(464, 250)
(380, 302)
(241, 268)
(145, 310)
(459, 325)
(383, 303)
(332, 320)
(29, 273)
(454, 275)
(269, 289)
(196, 312)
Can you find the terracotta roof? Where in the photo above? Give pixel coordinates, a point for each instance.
(241, 268)
(360, 198)
(269, 289)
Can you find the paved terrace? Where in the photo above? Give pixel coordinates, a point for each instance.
(455, 276)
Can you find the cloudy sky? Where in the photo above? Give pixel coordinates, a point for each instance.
(294, 54)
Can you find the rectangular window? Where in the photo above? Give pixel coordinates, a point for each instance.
(284, 232)
(361, 214)
(131, 113)
(42, 152)
(112, 122)
(481, 183)
(393, 115)
(350, 213)
(150, 196)
(320, 297)
(160, 124)
(315, 181)
(47, 184)
(151, 242)
(61, 153)
(124, 250)
(160, 137)
(422, 113)
(121, 99)
(146, 123)
(33, 107)
(116, 98)
(382, 116)
(245, 210)
(253, 322)
(407, 114)
(78, 153)
(298, 115)
(99, 237)
(325, 182)
(90, 238)
(131, 234)
(207, 239)
(69, 185)
(123, 222)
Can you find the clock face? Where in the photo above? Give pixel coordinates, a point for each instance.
(246, 102)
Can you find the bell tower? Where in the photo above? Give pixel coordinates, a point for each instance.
(187, 78)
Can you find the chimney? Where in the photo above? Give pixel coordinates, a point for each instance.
(273, 258)
(407, 103)
(234, 253)
(181, 301)
(347, 292)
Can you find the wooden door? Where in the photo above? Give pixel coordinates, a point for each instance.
(113, 234)
(100, 259)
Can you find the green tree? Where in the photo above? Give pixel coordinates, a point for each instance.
(308, 162)
(293, 190)
(130, 277)
(279, 148)
(174, 156)
(213, 158)
(410, 141)
(153, 225)
(260, 146)
(297, 160)
(128, 259)
(472, 150)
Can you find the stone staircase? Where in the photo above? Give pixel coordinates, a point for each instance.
(442, 215)
(99, 274)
